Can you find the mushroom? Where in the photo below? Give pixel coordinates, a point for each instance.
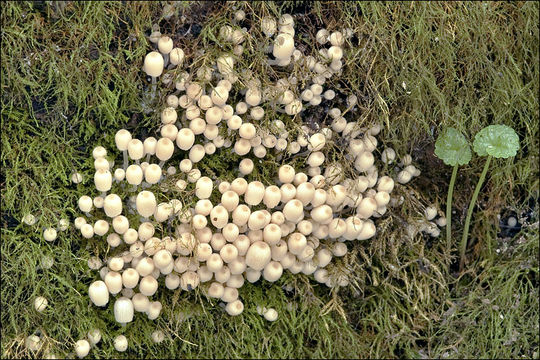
(153, 67)
(82, 348)
(120, 343)
(94, 336)
(99, 293)
(40, 303)
(123, 310)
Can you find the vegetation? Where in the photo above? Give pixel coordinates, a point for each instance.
(71, 77)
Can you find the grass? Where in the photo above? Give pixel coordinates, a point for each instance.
(71, 78)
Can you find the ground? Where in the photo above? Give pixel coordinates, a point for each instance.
(71, 77)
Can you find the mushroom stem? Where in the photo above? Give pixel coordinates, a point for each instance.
(125, 159)
(88, 214)
(463, 245)
(147, 158)
(134, 188)
(154, 86)
(137, 162)
(104, 194)
(165, 60)
(161, 163)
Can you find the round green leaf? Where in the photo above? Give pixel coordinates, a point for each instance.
(499, 141)
(452, 148)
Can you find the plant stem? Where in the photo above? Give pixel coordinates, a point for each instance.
(449, 209)
(463, 245)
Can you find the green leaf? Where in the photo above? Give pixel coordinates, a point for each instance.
(452, 148)
(499, 141)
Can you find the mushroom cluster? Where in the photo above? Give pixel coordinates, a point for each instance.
(208, 233)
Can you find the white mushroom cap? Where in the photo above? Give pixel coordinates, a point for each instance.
(270, 314)
(98, 293)
(145, 231)
(103, 180)
(101, 227)
(293, 210)
(153, 64)
(368, 231)
(257, 220)
(40, 303)
(246, 166)
(241, 214)
(230, 294)
(272, 271)
(288, 192)
(234, 308)
(228, 253)
(112, 205)
(120, 343)
(152, 174)
(353, 227)
(366, 208)
(239, 186)
(219, 216)
(385, 183)
(214, 262)
(336, 228)
(272, 196)
(134, 174)
(169, 131)
(185, 139)
(253, 97)
(216, 290)
(82, 348)
(242, 147)
(140, 302)
(296, 243)
(87, 231)
(165, 44)
(196, 153)
(130, 236)
(230, 233)
(219, 95)
(268, 26)
(148, 285)
(189, 280)
(254, 193)
(164, 149)
(154, 309)
(49, 234)
(130, 278)
(122, 138)
(162, 258)
(172, 281)
(85, 203)
(283, 46)
(146, 203)
(176, 56)
(286, 174)
(230, 200)
(113, 280)
(258, 255)
(94, 336)
(305, 192)
(123, 310)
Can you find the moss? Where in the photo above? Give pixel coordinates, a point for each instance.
(71, 78)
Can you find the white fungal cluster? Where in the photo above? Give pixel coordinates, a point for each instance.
(212, 234)
(430, 224)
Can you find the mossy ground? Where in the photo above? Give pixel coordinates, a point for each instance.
(71, 78)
